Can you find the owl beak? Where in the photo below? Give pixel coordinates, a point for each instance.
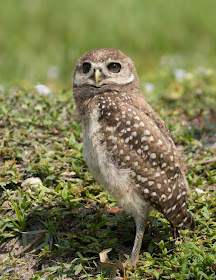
(97, 75)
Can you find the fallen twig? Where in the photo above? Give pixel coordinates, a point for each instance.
(30, 245)
(211, 188)
(201, 162)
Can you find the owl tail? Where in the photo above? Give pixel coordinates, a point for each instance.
(190, 224)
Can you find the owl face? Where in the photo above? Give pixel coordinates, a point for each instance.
(104, 69)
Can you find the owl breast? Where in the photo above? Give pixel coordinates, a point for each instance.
(117, 181)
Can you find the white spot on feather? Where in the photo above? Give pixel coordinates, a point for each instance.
(153, 156)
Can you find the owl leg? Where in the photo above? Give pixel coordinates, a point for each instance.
(175, 232)
(140, 228)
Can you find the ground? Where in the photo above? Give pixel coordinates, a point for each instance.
(55, 219)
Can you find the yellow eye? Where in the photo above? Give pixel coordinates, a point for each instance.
(114, 67)
(86, 67)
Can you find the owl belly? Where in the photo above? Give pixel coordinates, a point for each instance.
(116, 181)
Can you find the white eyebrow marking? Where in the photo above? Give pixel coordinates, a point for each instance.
(126, 81)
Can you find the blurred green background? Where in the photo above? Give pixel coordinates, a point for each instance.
(41, 40)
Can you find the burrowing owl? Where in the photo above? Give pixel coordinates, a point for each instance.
(127, 146)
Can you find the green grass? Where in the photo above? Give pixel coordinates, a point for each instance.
(67, 211)
(41, 137)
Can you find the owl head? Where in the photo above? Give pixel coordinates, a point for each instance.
(104, 69)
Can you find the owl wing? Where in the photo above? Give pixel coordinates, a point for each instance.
(144, 106)
(138, 139)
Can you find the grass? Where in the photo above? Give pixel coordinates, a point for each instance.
(67, 211)
(64, 217)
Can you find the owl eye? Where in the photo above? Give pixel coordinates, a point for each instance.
(86, 67)
(114, 67)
